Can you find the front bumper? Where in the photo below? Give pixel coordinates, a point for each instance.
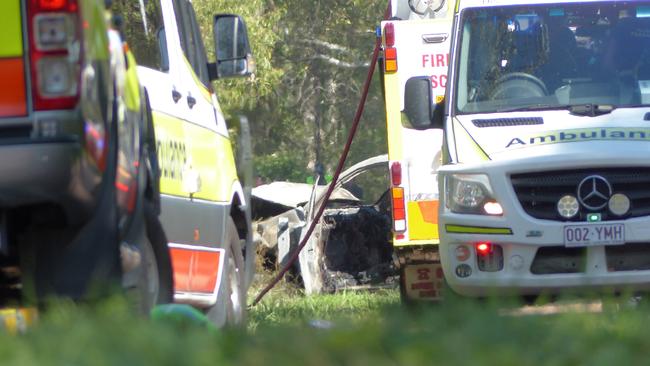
(49, 170)
(535, 258)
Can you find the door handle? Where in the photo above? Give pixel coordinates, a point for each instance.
(191, 101)
(176, 96)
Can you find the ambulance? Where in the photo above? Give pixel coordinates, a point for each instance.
(203, 209)
(545, 176)
(415, 43)
(71, 159)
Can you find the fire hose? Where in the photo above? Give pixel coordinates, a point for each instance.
(337, 173)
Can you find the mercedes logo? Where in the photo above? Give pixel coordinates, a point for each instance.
(594, 192)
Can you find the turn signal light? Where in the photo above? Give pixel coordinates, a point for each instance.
(390, 60)
(399, 209)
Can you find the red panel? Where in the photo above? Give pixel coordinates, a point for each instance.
(182, 263)
(206, 271)
(429, 211)
(13, 100)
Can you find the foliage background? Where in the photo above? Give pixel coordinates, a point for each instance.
(312, 59)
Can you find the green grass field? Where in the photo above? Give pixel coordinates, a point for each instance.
(344, 329)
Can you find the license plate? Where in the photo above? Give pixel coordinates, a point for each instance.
(423, 281)
(594, 234)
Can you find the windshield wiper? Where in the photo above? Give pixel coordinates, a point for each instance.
(590, 109)
(532, 107)
(587, 109)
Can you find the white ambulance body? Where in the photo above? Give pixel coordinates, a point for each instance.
(415, 43)
(545, 185)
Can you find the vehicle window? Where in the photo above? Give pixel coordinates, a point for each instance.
(554, 55)
(369, 186)
(144, 31)
(191, 41)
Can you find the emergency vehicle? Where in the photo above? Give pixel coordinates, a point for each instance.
(544, 186)
(72, 160)
(415, 42)
(202, 202)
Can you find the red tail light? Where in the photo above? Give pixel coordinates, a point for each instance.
(396, 173)
(389, 34)
(55, 53)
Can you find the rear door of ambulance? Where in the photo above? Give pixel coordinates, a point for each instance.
(419, 48)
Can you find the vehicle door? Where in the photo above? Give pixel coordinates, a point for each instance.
(153, 38)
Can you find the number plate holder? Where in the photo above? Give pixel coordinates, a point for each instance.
(594, 234)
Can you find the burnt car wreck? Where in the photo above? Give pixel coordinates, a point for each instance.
(350, 247)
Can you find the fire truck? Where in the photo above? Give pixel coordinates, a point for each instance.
(415, 42)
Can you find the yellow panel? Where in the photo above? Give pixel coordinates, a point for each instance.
(418, 227)
(393, 116)
(185, 149)
(11, 36)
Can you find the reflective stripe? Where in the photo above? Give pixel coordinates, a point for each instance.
(182, 264)
(196, 269)
(415, 243)
(459, 229)
(11, 36)
(13, 99)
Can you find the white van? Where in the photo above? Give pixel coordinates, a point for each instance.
(546, 176)
(202, 204)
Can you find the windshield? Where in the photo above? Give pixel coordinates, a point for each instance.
(554, 56)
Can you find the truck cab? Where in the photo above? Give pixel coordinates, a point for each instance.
(415, 44)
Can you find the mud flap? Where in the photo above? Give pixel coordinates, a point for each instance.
(422, 282)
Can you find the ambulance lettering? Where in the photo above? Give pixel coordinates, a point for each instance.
(172, 156)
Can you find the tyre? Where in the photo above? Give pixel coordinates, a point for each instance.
(230, 308)
(151, 283)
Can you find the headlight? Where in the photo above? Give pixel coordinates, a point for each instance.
(472, 194)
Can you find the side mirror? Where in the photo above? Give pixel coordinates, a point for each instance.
(419, 110)
(232, 48)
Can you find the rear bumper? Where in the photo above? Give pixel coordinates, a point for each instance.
(48, 172)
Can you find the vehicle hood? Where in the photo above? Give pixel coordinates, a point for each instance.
(504, 136)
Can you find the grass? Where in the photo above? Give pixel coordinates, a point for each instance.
(287, 328)
(287, 307)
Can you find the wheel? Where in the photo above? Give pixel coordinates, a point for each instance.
(518, 85)
(151, 283)
(230, 308)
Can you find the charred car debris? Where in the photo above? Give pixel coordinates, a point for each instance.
(350, 247)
